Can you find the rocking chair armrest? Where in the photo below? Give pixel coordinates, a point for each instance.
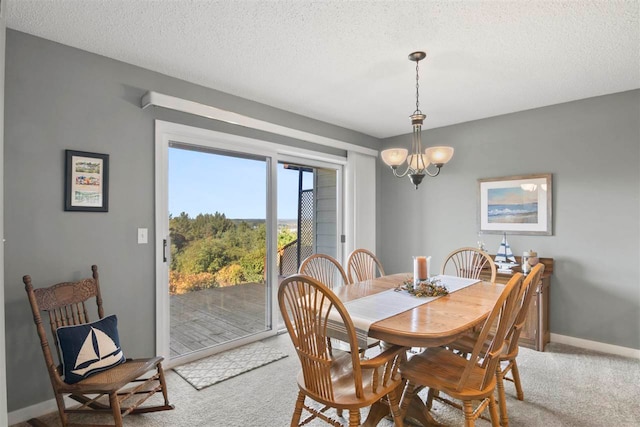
(383, 358)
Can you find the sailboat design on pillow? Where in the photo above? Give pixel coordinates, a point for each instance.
(98, 352)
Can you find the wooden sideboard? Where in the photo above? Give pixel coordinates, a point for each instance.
(535, 333)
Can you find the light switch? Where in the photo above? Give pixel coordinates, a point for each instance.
(143, 236)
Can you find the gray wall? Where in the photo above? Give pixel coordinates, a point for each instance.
(58, 98)
(592, 148)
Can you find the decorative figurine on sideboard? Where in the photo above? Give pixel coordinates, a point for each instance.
(505, 260)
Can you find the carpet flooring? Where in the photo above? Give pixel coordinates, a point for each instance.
(222, 366)
(563, 387)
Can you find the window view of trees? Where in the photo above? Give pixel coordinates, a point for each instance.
(211, 251)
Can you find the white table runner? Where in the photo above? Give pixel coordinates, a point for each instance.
(372, 308)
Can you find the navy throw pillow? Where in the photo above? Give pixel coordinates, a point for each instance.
(90, 348)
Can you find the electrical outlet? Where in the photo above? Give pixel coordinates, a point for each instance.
(143, 236)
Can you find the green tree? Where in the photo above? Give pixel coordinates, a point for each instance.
(180, 230)
(205, 255)
(212, 246)
(253, 265)
(231, 274)
(285, 236)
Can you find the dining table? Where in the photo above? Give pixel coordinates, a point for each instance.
(436, 322)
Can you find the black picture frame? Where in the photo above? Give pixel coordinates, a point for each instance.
(86, 184)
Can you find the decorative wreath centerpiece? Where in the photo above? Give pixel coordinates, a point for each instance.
(425, 288)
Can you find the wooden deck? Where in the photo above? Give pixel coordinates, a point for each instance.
(208, 317)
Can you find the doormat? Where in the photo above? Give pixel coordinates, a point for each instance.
(222, 366)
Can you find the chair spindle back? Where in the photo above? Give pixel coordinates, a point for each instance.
(325, 269)
(305, 304)
(363, 265)
(468, 262)
(529, 286)
(65, 304)
(496, 325)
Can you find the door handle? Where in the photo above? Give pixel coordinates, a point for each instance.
(164, 250)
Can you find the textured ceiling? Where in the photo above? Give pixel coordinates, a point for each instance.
(345, 62)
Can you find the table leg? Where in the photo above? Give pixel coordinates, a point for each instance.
(378, 411)
(418, 414)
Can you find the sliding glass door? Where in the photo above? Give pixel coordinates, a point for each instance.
(223, 227)
(308, 217)
(218, 244)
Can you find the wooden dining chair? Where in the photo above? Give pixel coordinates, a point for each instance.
(468, 262)
(344, 381)
(118, 390)
(469, 379)
(328, 271)
(325, 269)
(509, 353)
(362, 264)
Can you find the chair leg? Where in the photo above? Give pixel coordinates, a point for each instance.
(516, 380)
(163, 384)
(502, 399)
(115, 409)
(469, 420)
(432, 393)
(394, 405)
(493, 410)
(297, 412)
(64, 419)
(354, 417)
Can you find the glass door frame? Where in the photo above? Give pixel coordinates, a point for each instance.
(167, 132)
(316, 161)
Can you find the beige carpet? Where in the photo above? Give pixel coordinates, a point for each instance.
(222, 366)
(563, 387)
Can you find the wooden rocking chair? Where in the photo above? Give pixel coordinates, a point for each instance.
(126, 385)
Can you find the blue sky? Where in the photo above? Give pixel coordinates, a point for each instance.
(205, 183)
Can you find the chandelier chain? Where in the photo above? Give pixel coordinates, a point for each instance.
(417, 90)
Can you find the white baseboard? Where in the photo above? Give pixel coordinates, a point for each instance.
(596, 346)
(33, 411)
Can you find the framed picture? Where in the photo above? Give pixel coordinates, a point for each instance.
(515, 204)
(86, 185)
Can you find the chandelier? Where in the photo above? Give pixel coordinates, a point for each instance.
(417, 161)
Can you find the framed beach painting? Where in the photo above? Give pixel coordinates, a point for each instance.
(515, 204)
(86, 185)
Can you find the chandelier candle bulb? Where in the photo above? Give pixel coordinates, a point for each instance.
(420, 271)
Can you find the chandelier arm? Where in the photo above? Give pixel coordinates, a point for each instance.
(395, 172)
(437, 172)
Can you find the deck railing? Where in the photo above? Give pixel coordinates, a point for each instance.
(288, 261)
